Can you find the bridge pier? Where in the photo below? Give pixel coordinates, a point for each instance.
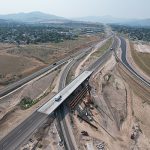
(84, 90)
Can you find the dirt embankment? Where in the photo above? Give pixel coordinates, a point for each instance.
(120, 115)
(136, 124)
(118, 102)
(11, 113)
(96, 52)
(110, 96)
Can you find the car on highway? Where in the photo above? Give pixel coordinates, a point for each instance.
(58, 98)
(61, 142)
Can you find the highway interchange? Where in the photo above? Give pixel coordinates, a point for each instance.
(14, 139)
(13, 87)
(22, 132)
(65, 136)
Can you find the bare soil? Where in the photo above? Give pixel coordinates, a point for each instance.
(11, 114)
(143, 48)
(120, 113)
(137, 114)
(50, 52)
(139, 60)
(18, 62)
(4, 46)
(15, 67)
(49, 135)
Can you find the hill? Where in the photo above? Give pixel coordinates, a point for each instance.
(113, 20)
(33, 17)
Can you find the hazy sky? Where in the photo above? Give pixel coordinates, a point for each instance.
(80, 8)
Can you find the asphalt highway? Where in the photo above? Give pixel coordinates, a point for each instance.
(10, 88)
(125, 62)
(23, 81)
(61, 110)
(103, 58)
(23, 131)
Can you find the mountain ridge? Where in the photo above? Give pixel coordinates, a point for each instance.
(32, 17)
(112, 20)
(40, 17)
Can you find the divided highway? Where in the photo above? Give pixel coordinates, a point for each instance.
(103, 58)
(65, 136)
(12, 87)
(69, 144)
(22, 82)
(23, 131)
(127, 65)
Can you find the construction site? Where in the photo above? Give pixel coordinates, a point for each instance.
(101, 114)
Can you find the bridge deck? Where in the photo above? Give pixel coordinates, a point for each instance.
(51, 105)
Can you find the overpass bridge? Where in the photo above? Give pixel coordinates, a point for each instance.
(23, 132)
(73, 92)
(52, 104)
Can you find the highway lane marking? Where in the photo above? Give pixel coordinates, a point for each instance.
(32, 80)
(129, 66)
(22, 132)
(25, 128)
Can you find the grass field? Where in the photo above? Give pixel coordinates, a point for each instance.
(50, 52)
(141, 59)
(15, 67)
(97, 53)
(18, 62)
(102, 49)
